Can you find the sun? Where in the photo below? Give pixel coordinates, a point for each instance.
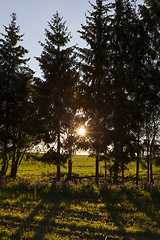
(81, 131)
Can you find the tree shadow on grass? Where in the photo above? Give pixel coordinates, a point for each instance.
(59, 215)
(54, 216)
(133, 213)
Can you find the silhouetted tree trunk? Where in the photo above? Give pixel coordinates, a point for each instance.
(97, 166)
(58, 150)
(138, 156)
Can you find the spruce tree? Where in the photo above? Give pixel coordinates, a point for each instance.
(150, 19)
(94, 65)
(121, 59)
(15, 102)
(56, 91)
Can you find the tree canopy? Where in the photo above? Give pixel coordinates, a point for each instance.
(15, 98)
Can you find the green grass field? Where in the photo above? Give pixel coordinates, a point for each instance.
(43, 210)
(82, 166)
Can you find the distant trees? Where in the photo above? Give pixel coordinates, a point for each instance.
(15, 99)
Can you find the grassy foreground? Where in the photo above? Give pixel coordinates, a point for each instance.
(34, 207)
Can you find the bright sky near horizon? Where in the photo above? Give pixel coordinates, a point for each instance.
(33, 15)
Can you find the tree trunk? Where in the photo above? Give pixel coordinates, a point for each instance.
(58, 150)
(116, 163)
(105, 176)
(58, 173)
(14, 167)
(4, 166)
(138, 158)
(147, 142)
(151, 171)
(147, 163)
(69, 169)
(115, 179)
(122, 171)
(14, 171)
(97, 166)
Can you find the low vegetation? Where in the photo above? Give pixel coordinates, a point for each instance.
(35, 206)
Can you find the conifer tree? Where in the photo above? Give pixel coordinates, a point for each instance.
(150, 19)
(121, 59)
(94, 67)
(57, 88)
(15, 81)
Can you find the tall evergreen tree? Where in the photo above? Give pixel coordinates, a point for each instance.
(15, 81)
(94, 66)
(150, 19)
(56, 92)
(120, 59)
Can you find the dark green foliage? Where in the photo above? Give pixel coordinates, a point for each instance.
(95, 65)
(118, 92)
(55, 94)
(52, 157)
(120, 80)
(15, 92)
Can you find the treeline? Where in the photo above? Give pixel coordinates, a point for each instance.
(112, 88)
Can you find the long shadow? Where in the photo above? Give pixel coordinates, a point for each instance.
(145, 203)
(148, 203)
(135, 203)
(113, 207)
(30, 223)
(55, 209)
(59, 206)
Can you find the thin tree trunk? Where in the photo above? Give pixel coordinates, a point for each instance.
(70, 163)
(58, 172)
(58, 150)
(4, 166)
(147, 162)
(115, 180)
(105, 176)
(152, 156)
(14, 165)
(147, 142)
(116, 164)
(69, 169)
(122, 171)
(151, 171)
(138, 157)
(97, 166)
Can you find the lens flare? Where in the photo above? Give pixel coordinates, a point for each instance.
(81, 131)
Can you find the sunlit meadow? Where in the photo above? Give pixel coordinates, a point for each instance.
(36, 206)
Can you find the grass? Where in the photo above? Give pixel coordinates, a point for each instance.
(82, 166)
(43, 210)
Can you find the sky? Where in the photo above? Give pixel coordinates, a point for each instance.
(33, 15)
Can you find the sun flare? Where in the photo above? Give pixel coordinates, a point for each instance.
(81, 131)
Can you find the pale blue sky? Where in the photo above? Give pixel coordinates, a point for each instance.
(33, 15)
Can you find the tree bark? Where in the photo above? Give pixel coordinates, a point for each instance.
(4, 166)
(58, 150)
(138, 157)
(122, 172)
(69, 169)
(105, 176)
(14, 167)
(97, 166)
